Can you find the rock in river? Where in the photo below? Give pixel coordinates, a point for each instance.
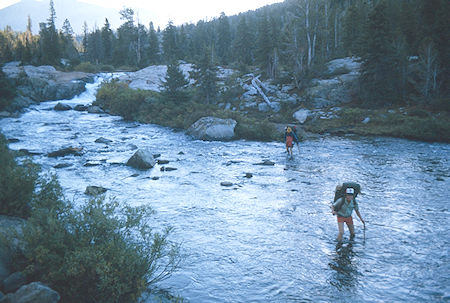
(142, 159)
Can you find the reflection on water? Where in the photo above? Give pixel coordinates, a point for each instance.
(271, 237)
(345, 268)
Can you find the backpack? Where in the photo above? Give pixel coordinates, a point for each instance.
(340, 192)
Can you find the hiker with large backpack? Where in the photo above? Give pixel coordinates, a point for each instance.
(343, 206)
(289, 138)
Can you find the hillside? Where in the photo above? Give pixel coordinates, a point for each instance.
(75, 11)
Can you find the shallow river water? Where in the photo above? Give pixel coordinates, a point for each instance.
(271, 237)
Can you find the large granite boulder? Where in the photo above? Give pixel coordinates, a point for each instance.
(44, 83)
(14, 282)
(142, 159)
(337, 86)
(9, 226)
(35, 292)
(301, 115)
(211, 128)
(153, 76)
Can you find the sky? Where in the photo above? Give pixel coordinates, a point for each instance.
(178, 11)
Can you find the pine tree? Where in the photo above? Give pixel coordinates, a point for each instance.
(379, 71)
(107, 41)
(153, 49)
(205, 76)
(223, 39)
(264, 46)
(169, 44)
(50, 48)
(174, 87)
(67, 42)
(242, 46)
(126, 44)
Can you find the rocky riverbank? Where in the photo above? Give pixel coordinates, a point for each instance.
(323, 106)
(43, 83)
(14, 286)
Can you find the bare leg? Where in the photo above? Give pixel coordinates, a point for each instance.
(351, 228)
(341, 231)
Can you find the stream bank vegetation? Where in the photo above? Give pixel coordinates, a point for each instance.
(412, 123)
(97, 251)
(151, 107)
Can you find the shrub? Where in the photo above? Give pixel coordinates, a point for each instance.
(17, 183)
(120, 99)
(255, 130)
(102, 252)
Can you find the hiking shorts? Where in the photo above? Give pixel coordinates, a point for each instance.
(348, 220)
(289, 142)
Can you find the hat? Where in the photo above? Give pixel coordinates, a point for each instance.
(350, 191)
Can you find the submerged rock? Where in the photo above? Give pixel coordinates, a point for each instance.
(66, 151)
(103, 140)
(265, 162)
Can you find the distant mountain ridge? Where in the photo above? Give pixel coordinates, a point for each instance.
(75, 11)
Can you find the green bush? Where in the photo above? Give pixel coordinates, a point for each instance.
(17, 183)
(87, 67)
(149, 107)
(121, 100)
(99, 252)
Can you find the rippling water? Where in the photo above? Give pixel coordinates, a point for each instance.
(269, 238)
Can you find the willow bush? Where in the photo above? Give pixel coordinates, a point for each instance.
(17, 183)
(98, 252)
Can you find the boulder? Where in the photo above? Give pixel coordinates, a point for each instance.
(301, 115)
(103, 140)
(211, 128)
(266, 163)
(95, 190)
(142, 159)
(337, 86)
(62, 107)
(5, 114)
(9, 226)
(13, 282)
(95, 110)
(344, 65)
(80, 108)
(35, 292)
(42, 83)
(65, 151)
(226, 184)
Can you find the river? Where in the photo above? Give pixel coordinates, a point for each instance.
(270, 237)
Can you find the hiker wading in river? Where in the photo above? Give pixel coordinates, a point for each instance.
(343, 208)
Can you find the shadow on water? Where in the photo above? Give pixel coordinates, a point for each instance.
(343, 263)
